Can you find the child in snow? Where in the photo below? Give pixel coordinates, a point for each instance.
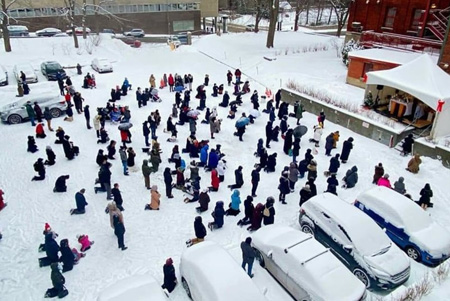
(85, 242)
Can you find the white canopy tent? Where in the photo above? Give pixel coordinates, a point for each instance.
(424, 80)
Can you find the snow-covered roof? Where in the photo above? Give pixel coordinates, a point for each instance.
(219, 276)
(385, 55)
(285, 5)
(423, 79)
(314, 267)
(136, 288)
(365, 234)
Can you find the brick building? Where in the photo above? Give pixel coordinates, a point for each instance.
(153, 16)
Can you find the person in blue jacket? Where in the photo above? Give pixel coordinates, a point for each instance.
(235, 202)
(217, 214)
(81, 203)
(51, 249)
(204, 155)
(213, 160)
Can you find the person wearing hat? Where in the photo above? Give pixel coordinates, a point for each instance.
(155, 199)
(170, 278)
(384, 181)
(305, 194)
(248, 255)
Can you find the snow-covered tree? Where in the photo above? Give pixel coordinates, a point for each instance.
(348, 47)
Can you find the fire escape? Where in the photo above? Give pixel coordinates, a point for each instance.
(437, 22)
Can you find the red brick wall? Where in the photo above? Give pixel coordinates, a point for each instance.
(356, 67)
(372, 15)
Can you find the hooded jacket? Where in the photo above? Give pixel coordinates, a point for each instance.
(399, 185)
(204, 154)
(218, 214)
(199, 228)
(235, 200)
(146, 170)
(293, 172)
(351, 177)
(58, 279)
(155, 199)
(67, 257)
(51, 247)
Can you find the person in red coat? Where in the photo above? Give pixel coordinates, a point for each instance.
(2, 203)
(124, 137)
(238, 73)
(214, 180)
(40, 131)
(67, 98)
(171, 82)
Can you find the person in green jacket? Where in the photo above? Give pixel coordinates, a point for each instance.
(299, 113)
(146, 170)
(155, 158)
(30, 112)
(58, 281)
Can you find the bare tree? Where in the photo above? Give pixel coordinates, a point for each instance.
(69, 14)
(5, 22)
(341, 9)
(299, 8)
(274, 7)
(261, 7)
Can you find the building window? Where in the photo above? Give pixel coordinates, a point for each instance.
(183, 25)
(390, 17)
(416, 19)
(367, 68)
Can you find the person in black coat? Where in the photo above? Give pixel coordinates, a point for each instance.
(200, 232)
(32, 148)
(249, 208)
(87, 115)
(67, 257)
(168, 182)
(117, 196)
(271, 163)
(170, 279)
(60, 184)
(296, 149)
(283, 110)
(329, 144)
(351, 177)
(283, 187)
(263, 158)
(346, 148)
(284, 125)
(268, 133)
(51, 250)
(277, 98)
(225, 100)
(255, 179)
(332, 181)
(302, 168)
(111, 149)
(308, 156)
(425, 197)
(407, 145)
(312, 186)
(81, 203)
(305, 194)
(68, 151)
(239, 179)
(38, 111)
(334, 165)
(40, 169)
(269, 211)
(51, 157)
(288, 141)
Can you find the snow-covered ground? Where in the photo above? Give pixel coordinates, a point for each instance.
(152, 237)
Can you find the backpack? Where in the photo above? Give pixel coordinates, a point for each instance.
(266, 212)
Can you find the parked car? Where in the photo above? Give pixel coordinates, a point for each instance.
(47, 32)
(406, 224)
(30, 74)
(110, 31)
(135, 33)
(102, 65)
(250, 27)
(18, 31)
(78, 31)
(60, 35)
(304, 267)
(135, 288)
(174, 39)
(3, 76)
(15, 112)
(356, 240)
(208, 272)
(50, 70)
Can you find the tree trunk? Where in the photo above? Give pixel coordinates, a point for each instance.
(75, 38)
(6, 39)
(83, 20)
(319, 9)
(273, 22)
(257, 19)
(307, 12)
(341, 18)
(329, 17)
(298, 10)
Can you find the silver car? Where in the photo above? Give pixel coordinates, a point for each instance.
(28, 70)
(15, 112)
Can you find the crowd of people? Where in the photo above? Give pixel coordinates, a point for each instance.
(204, 158)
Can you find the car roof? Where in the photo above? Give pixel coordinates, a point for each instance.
(221, 276)
(24, 66)
(310, 260)
(396, 208)
(365, 234)
(135, 288)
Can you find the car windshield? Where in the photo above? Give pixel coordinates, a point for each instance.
(54, 67)
(382, 251)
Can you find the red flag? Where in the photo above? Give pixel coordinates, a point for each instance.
(440, 105)
(365, 77)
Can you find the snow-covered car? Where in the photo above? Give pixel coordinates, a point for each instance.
(3, 76)
(47, 32)
(30, 74)
(102, 65)
(15, 112)
(139, 33)
(250, 27)
(356, 240)
(78, 31)
(174, 40)
(304, 267)
(61, 35)
(50, 70)
(406, 224)
(135, 288)
(208, 273)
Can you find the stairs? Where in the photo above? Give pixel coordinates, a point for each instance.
(438, 22)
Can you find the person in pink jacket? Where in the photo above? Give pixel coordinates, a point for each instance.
(85, 242)
(384, 181)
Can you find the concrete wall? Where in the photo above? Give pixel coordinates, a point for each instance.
(435, 152)
(335, 115)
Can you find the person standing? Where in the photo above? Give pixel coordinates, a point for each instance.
(283, 187)
(299, 113)
(255, 179)
(346, 148)
(48, 117)
(117, 196)
(170, 279)
(379, 172)
(37, 109)
(248, 255)
(200, 232)
(87, 115)
(116, 221)
(407, 145)
(146, 132)
(329, 144)
(293, 175)
(81, 203)
(268, 133)
(146, 171)
(296, 150)
(30, 112)
(124, 159)
(104, 177)
(168, 182)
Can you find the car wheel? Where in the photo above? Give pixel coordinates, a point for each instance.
(186, 287)
(307, 229)
(259, 257)
(14, 119)
(362, 276)
(413, 253)
(55, 112)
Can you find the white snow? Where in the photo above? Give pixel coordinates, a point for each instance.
(387, 55)
(154, 236)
